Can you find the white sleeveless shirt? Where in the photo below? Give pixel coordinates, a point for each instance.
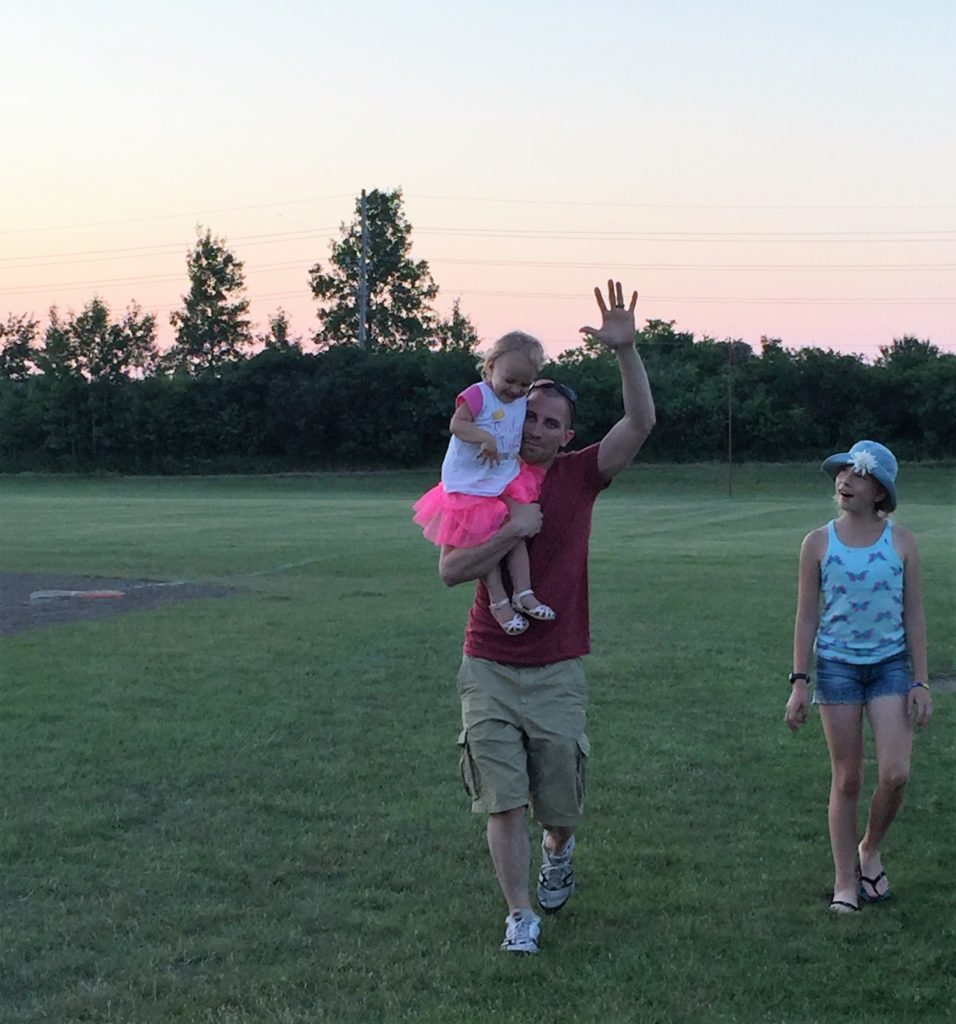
(462, 472)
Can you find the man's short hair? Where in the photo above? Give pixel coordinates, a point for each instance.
(567, 393)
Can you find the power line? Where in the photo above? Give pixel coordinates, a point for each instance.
(687, 206)
(503, 201)
(726, 299)
(270, 238)
(165, 249)
(658, 238)
(172, 216)
(464, 261)
(266, 268)
(789, 237)
(270, 268)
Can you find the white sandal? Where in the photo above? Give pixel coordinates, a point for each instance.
(541, 612)
(516, 625)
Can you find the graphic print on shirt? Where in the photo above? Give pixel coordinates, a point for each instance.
(861, 619)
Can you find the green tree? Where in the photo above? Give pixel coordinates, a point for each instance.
(457, 333)
(277, 337)
(915, 397)
(91, 346)
(212, 328)
(907, 352)
(400, 290)
(18, 351)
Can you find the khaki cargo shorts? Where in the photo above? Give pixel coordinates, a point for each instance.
(522, 739)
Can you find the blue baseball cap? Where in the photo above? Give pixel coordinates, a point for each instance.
(868, 457)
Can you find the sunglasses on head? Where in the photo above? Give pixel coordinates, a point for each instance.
(562, 389)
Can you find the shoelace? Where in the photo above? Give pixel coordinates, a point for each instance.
(520, 931)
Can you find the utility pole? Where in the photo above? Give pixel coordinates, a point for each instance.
(363, 277)
(730, 421)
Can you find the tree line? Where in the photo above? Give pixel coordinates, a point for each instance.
(92, 394)
(287, 410)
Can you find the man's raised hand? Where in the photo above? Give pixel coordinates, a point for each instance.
(617, 328)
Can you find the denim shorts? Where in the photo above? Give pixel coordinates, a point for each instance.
(839, 682)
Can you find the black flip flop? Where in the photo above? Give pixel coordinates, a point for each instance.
(837, 906)
(877, 897)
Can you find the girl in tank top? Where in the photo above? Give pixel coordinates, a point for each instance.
(860, 606)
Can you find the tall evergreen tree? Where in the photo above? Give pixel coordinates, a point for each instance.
(400, 290)
(212, 328)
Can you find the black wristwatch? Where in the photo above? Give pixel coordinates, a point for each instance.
(794, 676)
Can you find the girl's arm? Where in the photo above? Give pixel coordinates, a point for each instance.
(914, 615)
(805, 624)
(463, 426)
(914, 622)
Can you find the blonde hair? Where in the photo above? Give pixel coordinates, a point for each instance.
(513, 341)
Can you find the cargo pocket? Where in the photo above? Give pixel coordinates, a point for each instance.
(470, 777)
(584, 749)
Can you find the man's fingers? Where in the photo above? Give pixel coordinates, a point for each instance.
(615, 297)
(587, 330)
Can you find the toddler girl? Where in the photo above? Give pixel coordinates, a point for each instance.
(481, 472)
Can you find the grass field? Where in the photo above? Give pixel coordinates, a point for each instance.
(247, 809)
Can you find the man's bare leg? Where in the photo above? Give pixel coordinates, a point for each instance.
(510, 850)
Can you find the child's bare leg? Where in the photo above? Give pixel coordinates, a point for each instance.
(519, 567)
(495, 585)
(524, 600)
(843, 727)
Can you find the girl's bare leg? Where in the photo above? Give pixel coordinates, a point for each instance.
(495, 585)
(519, 569)
(500, 604)
(893, 734)
(843, 727)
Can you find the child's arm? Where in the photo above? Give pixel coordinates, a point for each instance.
(463, 426)
(805, 624)
(914, 622)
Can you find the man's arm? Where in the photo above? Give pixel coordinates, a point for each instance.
(458, 565)
(623, 441)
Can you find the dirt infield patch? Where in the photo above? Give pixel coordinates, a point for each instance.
(28, 600)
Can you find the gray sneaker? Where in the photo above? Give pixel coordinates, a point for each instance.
(522, 932)
(556, 878)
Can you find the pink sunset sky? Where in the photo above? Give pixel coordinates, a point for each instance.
(750, 171)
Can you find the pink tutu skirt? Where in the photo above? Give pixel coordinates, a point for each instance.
(467, 520)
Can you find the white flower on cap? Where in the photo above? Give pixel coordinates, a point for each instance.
(863, 463)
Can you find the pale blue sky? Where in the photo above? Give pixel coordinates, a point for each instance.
(692, 121)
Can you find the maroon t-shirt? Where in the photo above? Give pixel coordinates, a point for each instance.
(559, 572)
